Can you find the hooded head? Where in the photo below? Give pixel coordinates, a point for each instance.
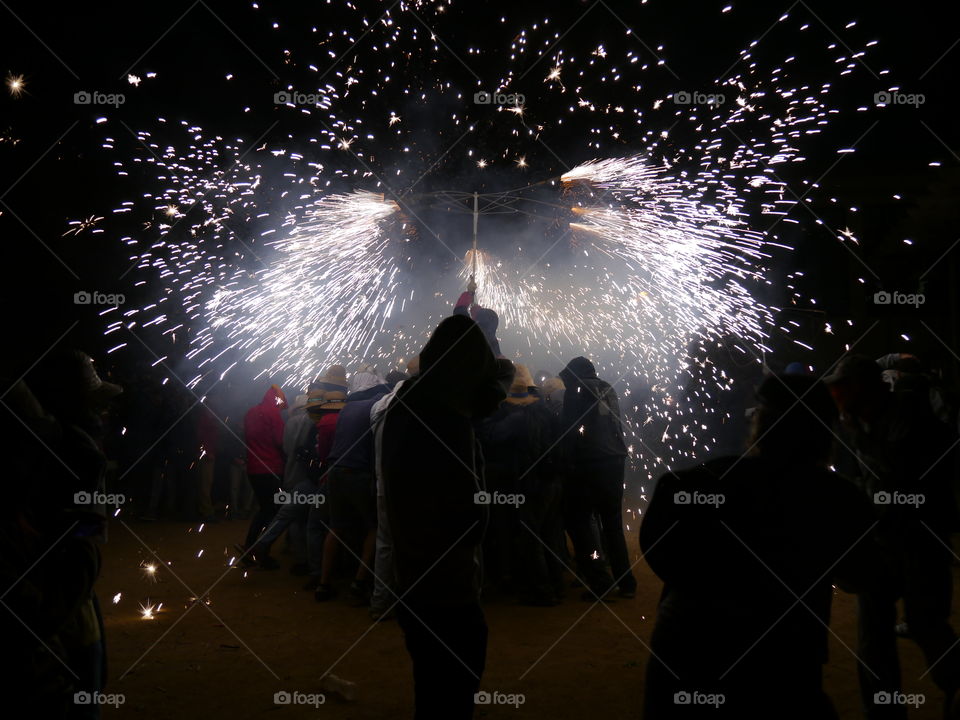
(787, 429)
(274, 397)
(458, 368)
(577, 371)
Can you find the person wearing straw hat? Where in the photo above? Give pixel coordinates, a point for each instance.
(521, 468)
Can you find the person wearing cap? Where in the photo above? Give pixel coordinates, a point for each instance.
(524, 538)
(749, 549)
(432, 479)
(595, 454)
(350, 483)
(903, 461)
(263, 437)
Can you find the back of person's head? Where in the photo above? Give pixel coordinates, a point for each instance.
(793, 420)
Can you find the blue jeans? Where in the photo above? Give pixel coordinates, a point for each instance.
(292, 516)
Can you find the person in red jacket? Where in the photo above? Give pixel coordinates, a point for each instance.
(263, 437)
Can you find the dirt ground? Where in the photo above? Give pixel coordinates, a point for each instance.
(260, 634)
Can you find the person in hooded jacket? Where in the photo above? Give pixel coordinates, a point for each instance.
(263, 436)
(432, 478)
(595, 455)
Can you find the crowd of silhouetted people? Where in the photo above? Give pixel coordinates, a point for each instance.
(415, 492)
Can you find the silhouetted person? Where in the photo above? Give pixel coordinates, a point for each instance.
(903, 455)
(431, 474)
(748, 549)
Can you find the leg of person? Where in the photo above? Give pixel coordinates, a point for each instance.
(205, 487)
(607, 484)
(384, 584)
(448, 658)
(551, 534)
(578, 519)
(318, 519)
(879, 664)
(533, 585)
(264, 487)
(927, 595)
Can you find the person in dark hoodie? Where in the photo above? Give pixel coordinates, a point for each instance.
(595, 453)
(432, 479)
(486, 318)
(748, 566)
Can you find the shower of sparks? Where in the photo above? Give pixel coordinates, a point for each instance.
(15, 85)
(263, 257)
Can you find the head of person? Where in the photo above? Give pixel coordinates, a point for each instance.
(394, 377)
(553, 388)
(520, 387)
(68, 386)
(857, 385)
(793, 420)
(577, 371)
(275, 396)
(334, 380)
(363, 378)
(457, 368)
